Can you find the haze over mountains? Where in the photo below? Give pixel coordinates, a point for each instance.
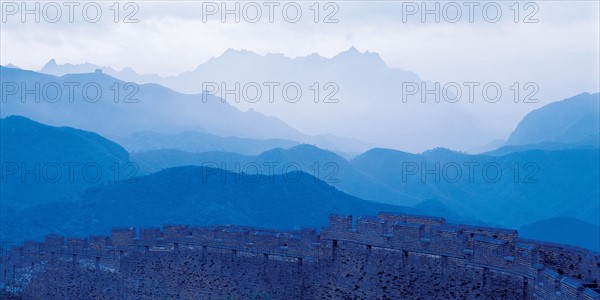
(539, 190)
(511, 190)
(357, 86)
(187, 195)
(77, 205)
(193, 141)
(324, 165)
(181, 152)
(41, 163)
(534, 182)
(114, 108)
(135, 108)
(570, 121)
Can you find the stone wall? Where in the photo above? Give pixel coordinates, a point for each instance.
(389, 256)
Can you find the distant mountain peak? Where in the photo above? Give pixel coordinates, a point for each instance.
(307, 147)
(378, 153)
(235, 52)
(50, 63)
(353, 55)
(570, 121)
(16, 118)
(438, 150)
(12, 66)
(352, 50)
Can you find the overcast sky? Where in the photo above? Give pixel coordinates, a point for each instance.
(559, 52)
(172, 38)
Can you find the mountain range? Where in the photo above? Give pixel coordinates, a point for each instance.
(195, 162)
(76, 206)
(351, 85)
(194, 141)
(188, 195)
(322, 164)
(573, 121)
(118, 109)
(42, 163)
(511, 190)
(534, 183)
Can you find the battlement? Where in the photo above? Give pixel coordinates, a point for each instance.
(554, 271)
(495, 248)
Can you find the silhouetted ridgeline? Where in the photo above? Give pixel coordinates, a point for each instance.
(388, 256)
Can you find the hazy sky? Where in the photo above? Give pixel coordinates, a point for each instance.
(171, 37)
(554, 44)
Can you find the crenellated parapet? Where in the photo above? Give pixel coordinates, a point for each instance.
(556, 271)
(549, 271)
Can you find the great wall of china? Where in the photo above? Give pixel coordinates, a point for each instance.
(389, 256)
